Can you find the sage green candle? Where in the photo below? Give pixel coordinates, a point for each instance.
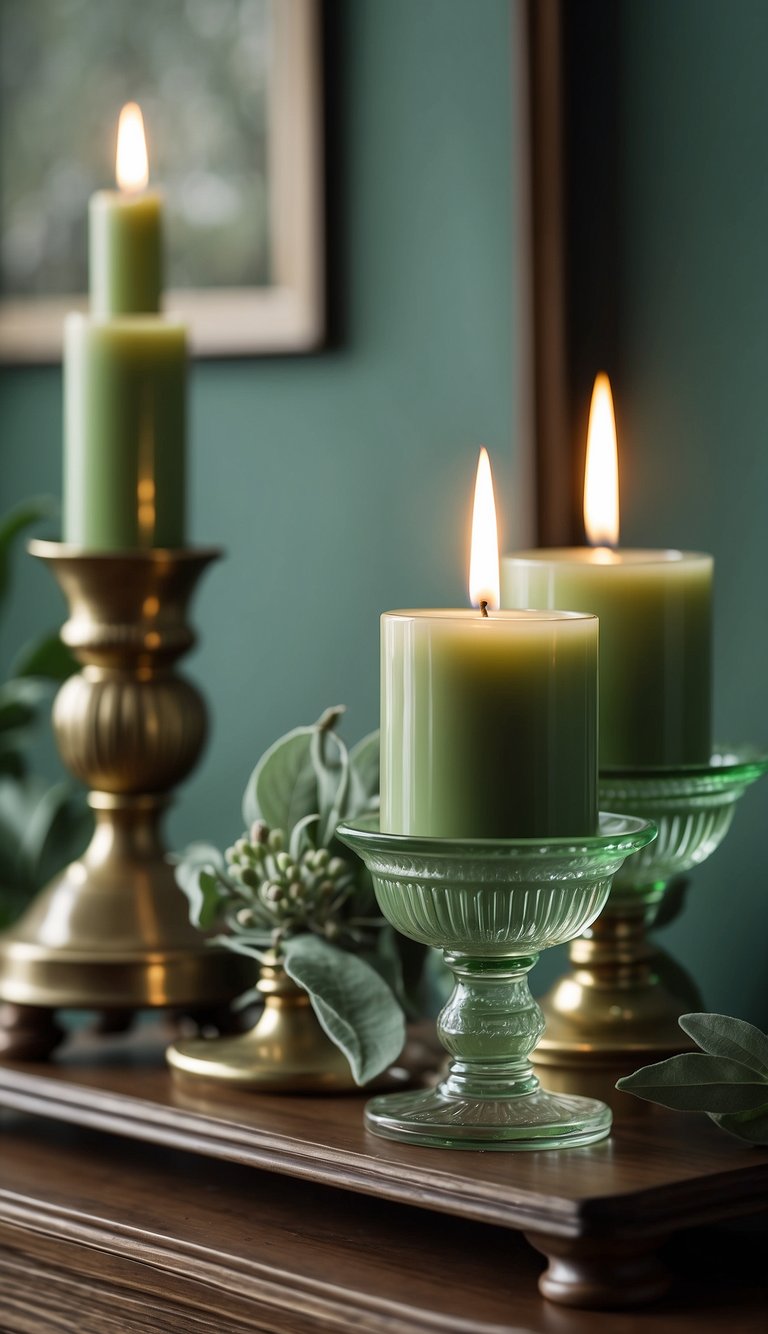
(655, 643)
(488, 724)
(124, 432)
(124, 253)
(125, 375)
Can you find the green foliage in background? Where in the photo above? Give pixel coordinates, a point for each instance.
(288, 886)
(727, 1078)
(42, 825)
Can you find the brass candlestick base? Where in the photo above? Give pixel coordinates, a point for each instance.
(112, 931)
(619, 1004)
(286, 1052)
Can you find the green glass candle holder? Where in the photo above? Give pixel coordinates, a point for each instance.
(492, 905)
(621, 999)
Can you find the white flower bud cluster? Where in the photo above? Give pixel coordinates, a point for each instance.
(297, 893)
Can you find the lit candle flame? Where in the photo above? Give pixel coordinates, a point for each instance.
(131, 165)
(601, 476)
(484, 551)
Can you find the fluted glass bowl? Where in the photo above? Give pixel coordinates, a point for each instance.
(692, 808)
(492, 905)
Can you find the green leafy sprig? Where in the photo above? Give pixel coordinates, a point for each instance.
(727, 1078)
(287, 889)
(42, 824)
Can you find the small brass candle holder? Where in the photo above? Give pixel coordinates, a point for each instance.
(287, 1050)
(613, 1007)
(492, 905)
(112, 931)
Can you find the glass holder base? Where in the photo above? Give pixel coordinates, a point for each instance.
(538, 1120)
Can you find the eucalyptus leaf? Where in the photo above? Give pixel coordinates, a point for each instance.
(68, 834)
(330, 760)
(751, 1126)
(301, 838)
(283, 787)
(363, 774)
(199, 874)
(20, 701)
(355, 1007)
(44, 808)
(48, 658)
(720, 1035)
(15, 523)
(254, 946)
(696, 1082)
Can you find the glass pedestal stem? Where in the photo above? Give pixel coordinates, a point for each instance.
(490, 1025)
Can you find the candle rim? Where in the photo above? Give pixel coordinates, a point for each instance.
(471, 615)
(106, 193)
(626, 558)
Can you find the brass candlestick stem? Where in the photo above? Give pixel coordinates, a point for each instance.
(620, 1002)
(112, 931)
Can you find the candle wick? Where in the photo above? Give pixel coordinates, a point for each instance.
(484, 608)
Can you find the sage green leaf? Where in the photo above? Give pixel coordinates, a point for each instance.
(54, 830)
(363, 775)
(720, 1035)
(199, 874)
(750, 1126)
(330, 760)
(20, 701)
(353, 1004)
(254, 946)
(48, 657)
(695, 1082)
(283, 787)
(14, 523)
(301, 837)
(68, 833)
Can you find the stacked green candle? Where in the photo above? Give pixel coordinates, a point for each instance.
(655, 620)
(488, 717)
(125, 375)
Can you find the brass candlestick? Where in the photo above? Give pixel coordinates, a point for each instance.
(620, 1002)
(112, 931)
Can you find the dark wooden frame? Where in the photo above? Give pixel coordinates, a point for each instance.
(575, 66)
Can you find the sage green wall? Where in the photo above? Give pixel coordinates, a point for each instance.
(341, 483)
(693, 398)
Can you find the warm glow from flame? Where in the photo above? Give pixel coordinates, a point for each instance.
(484, 552)
(601, 476)
(131, 166)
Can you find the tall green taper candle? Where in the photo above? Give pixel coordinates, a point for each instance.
(124, 376)
(124, 253)
(488, 724)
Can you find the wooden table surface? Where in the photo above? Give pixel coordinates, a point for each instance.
(100, 1235)
(598, 1213)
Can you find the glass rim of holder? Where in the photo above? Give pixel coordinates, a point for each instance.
(460, 895)
(613, 1004)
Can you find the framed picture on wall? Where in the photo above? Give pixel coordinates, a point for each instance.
(231, 96)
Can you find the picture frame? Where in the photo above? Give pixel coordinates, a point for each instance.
(285, 314)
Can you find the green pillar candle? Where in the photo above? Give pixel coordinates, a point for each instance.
(124, 410)
(124, 253)
(488, 724)
(124, 376)
(655, 643)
